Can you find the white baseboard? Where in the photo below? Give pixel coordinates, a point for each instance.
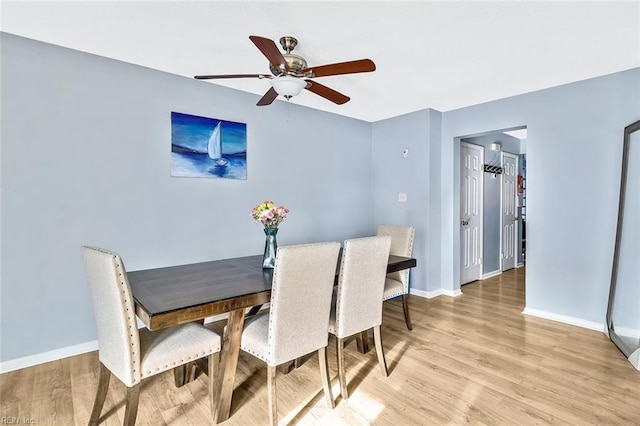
(425, 294)
(54, 355)
(634, 359)
(592, 325)
(434, 293)
(630, 333)
(491, 274)
(452, 293)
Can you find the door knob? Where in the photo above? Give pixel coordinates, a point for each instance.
(464, 222)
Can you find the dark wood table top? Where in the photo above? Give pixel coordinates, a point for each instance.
(179, 294)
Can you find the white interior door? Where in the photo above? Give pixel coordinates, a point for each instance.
(471, 173)
(509, 212)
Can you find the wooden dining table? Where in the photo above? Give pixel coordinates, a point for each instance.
(173, 295)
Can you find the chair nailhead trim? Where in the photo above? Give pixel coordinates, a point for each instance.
(126, 302)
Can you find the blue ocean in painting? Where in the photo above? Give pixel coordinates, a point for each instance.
(207, 147)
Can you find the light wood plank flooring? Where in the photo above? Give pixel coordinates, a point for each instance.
(474, 359)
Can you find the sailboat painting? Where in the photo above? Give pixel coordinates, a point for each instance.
(207, 147)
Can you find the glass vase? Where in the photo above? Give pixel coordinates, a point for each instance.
(270, 247)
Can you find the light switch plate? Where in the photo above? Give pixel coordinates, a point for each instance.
(402, 197)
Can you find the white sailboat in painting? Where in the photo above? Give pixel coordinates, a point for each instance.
(215, 146)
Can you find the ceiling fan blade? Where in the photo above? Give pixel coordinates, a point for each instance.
(210, 77)
(268, 97)
(326, 92)
(270, 50)
(350, 67)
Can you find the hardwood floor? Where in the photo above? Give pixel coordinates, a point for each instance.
(472, 359)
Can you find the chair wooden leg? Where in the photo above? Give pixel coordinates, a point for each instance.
(341, 370)
(405, 307)
(271, 389)
(131, 406)
(179, 375)
(362, 341)
(185, 373)
(213, 361)
(379, 351)
(324, 375)
(191, 373)
(101, 395)
(295, 364)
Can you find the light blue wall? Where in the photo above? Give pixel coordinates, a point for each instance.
(85, 147)
(85, 160)
(417, 175)
(393, 174)
(574, 149)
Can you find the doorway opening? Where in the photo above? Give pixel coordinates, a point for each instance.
(496, 242)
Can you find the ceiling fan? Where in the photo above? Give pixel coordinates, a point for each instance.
(291, 73)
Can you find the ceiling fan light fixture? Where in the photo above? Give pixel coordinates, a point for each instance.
(289, 86)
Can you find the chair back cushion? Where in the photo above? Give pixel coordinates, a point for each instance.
(118, 339)
(363, 271)
(303, 280)
(401, 245)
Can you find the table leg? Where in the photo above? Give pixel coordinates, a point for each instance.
(228, 363)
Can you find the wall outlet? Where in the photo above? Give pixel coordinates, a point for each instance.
(402, 197)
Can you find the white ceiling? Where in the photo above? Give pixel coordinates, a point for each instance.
(518, 134)
(441, 55)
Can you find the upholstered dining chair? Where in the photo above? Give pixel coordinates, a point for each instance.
(357, 306)
(131, 354)
(298, 318)
(397, 283)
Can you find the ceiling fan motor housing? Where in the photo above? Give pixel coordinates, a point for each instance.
(296, 64)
